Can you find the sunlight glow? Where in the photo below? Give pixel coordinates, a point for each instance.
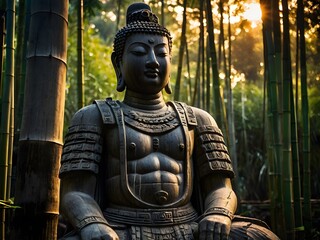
(179, 11)
(253, 13)
(112, 16)
(236, 77)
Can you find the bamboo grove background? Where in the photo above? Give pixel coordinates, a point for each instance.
(261, 84)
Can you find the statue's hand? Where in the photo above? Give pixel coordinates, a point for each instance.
(215, 227)
(98, 231)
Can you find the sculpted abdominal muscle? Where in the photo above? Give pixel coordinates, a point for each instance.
(154, 162)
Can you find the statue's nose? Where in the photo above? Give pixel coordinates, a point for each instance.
(152, 60)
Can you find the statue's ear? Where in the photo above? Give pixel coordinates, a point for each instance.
(167, 88)
(116, 65)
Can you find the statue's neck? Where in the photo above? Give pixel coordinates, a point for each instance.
(143, 101)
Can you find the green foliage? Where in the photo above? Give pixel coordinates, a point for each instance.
(249, 125)
(314, 106)
(90, 7)
(312, 9)
(313, 55)
(100, 79)
(314, 102)
(252, 97)
(247, 53)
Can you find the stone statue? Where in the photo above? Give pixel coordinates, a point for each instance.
(143, 168)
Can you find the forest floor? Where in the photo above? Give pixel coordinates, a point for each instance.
(261, 210)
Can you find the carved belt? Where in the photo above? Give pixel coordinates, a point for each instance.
(151, 217)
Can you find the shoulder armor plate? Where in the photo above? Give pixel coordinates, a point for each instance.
(82, 149)
(211, 152)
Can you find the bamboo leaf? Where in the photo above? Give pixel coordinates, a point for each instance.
(8, 204)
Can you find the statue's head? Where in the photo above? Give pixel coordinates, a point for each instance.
(141, 26)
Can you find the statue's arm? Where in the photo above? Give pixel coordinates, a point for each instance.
(214, 168)
(77, 204)
(79, 169)
(220, 204)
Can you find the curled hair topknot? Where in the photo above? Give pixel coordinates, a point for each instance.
(139, 21)
(142, 15)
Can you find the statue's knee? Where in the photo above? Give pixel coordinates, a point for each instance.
(248, 230)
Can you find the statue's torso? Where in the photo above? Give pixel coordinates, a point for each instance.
(155, 163)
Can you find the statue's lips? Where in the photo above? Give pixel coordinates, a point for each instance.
(151, 74)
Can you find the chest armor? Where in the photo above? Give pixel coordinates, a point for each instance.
(165, 138)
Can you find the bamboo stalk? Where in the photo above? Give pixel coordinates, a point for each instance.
(274, 150)
(299, 228)
(119, 4)
(195, 96)
(80, 58)
(206, 75)
(243, 122)
(197, 78)
(189, 91)
(181, 52)
(162, 13)
(22, 73)
(41, 137)
(232, 134)
(276, 89)
(11, 147)
(270, 158)
(286, 125)
(231, 140)
(305, 126)
(225, 93)
(2, 39)
(6, 107)
(19, 58)
(218, 113)
(7, 95)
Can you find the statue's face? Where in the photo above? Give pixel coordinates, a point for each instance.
(145, 64)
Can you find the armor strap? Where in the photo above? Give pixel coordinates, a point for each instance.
(118, 113)
(184, 119)
(106, 113)
(119, 117)
(185, 112)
